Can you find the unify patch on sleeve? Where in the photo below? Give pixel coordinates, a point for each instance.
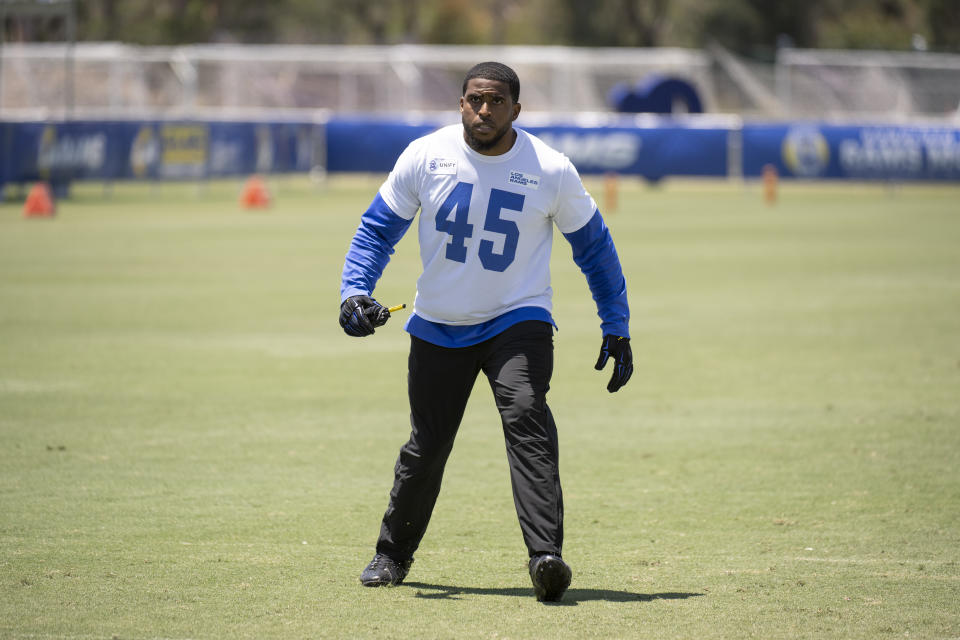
(442, 167)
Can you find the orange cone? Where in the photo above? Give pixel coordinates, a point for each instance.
(255, 194)
(611, 187)
(39, 203)
(770, 180)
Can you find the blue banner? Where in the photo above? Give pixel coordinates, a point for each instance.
(64, 151)
(812, 150)
(60, 152)
(369, 145)
(651, 152)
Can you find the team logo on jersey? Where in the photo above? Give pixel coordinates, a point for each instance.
(442, 167)
(524, 179)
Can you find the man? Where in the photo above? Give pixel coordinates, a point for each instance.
(488, 195)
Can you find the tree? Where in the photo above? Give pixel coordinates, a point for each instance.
(944, 19)
(750, 27)
(755, 27)
(613, 23)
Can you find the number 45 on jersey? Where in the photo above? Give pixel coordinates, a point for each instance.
(452, 220)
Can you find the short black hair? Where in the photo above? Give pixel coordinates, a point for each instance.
(494, 71)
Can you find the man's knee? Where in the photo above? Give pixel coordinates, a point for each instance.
(522, 406)
(423, 454)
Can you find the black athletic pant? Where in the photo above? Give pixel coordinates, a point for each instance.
(518, 364)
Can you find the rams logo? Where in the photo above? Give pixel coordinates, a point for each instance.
(144, 152)
(805, 152)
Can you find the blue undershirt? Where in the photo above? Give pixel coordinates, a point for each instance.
(448, 335)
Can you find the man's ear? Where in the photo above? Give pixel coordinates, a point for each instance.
(516, 111)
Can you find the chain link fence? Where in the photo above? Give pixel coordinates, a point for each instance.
(117, 80)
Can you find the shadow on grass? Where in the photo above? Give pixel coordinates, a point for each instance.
(571, 598)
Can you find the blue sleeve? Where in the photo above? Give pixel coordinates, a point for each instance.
(380, 229)
(594, 253)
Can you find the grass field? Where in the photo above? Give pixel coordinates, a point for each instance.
(191, 448)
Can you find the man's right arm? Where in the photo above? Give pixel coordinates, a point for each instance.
(370, 250)
(381, 227)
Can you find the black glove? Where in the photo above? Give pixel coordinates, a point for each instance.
(360, 315)
(619, 349)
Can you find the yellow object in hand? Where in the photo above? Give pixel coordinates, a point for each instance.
(396, 308)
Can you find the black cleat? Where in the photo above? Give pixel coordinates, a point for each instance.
(551, 577)
(384, 570)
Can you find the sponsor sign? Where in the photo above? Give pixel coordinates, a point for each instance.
(184, 150)
(872, 152)
(442, 167)
(70, 153)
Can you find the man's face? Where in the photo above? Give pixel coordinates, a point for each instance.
(488, 113)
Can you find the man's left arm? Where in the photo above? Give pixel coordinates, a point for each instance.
(596, 255)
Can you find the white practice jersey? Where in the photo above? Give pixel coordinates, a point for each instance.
(486, 222)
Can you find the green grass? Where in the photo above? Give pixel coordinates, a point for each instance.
(191, 448)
